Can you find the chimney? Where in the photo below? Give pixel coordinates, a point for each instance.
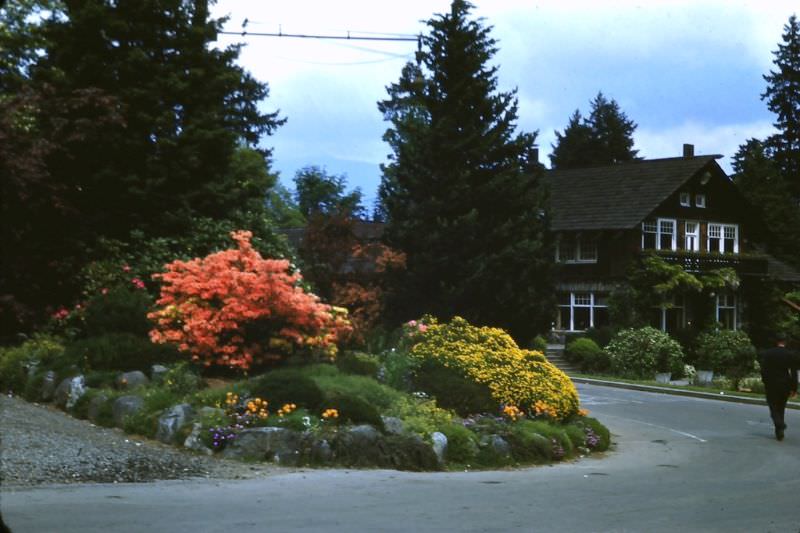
(688, 151)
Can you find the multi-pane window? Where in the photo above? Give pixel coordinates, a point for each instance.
(576, 250)
(692, 237)
(670, 317)
(723, 238)
(726, 310)
(578, 311)
(659, 235)
(686, 199)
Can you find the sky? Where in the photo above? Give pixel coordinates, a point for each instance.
(684, 71)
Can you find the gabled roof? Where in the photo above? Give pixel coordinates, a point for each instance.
(617, 196)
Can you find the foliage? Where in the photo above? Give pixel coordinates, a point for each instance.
(119, 310)
(587, 355)
(181, 379)
(640, 353)
(124, 117)
(420, 415)
(16, 362)
(333, 382)
(539, 344)
(360, 363)
(490, 358)
(462, 444)
(604, 138)
(288, 386)
(461, 192)
(727, 352)
(354, 410)
(145, 421)
(234, 308)
(118, 351)
(320, 193)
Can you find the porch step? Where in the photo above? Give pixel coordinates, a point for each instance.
(555, 354)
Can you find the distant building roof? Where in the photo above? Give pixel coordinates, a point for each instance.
(617, 196)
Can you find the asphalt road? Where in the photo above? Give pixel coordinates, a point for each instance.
(679, 464)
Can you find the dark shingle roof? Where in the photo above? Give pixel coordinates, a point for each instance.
(616, 196)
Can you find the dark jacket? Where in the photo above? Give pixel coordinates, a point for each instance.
(779, 367)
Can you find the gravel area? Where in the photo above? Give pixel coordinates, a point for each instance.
(41, 445)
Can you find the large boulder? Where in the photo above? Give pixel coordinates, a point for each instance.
(131, 380)
(365, 446)
(172, 420)
(125, 406)
(68, 392)
(280, 445)
(439, 442)
(393, 425)
(157, 373)
(48, 389)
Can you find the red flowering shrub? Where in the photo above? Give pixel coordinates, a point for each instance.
(235, 308)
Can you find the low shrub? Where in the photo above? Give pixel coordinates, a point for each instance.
(358, 363)
(15, 362)
(216, 397)
(454, 389)
(490, 358)
(640, 353)
(539, 343)
(331, 381)
(395, 369)
(288, 385)
(354, 410)
(587, 355)
(101, 379)
(419, 415)
(529, 446)
(752, 384)
(602, 336)
(182, 379)
(727, 352)
(119, 351)
(462, 444)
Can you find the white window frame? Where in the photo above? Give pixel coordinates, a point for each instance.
(722, 227)
(681, 304)
(695, 235)
(728, 305)
(686, 199)
(649, 225)
(700, 200)
(674, 224)
(592, 305)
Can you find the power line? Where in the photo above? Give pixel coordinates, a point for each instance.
(347, 37)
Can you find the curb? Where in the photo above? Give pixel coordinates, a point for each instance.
(679, 392)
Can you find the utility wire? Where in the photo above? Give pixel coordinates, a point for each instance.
(347, 37)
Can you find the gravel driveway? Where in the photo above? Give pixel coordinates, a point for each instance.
(41, 445)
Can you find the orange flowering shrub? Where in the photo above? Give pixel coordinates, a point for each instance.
(234, 308)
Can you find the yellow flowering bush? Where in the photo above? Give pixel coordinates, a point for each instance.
(489, 357)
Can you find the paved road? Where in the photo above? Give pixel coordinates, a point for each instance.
(680, 464)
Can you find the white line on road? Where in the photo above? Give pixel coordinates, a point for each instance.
(695, 437)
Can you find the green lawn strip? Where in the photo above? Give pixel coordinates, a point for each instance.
(693, 388)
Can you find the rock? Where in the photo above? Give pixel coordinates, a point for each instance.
(95, 406)
(268, 443)
(172, 420)
(439, 441)
(157, 373)
(321, 451)
(363, 432)
(393, 425)
(125, 406)
(68, 392)
(497, 444)
(194, 442)
(48, 386)
(131, 380)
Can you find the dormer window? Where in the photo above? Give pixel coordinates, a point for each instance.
(700, 200)
(686, 199)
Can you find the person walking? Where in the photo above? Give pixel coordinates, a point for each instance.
(779, 366)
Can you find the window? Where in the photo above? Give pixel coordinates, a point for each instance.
(671, 317)
(700, 200)
(576, 250)
(578, 311)
(692, 237)
(726, 310)
(649, 235)
(723, 238)
(686, 199)
(666, 234)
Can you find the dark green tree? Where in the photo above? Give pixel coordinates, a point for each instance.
(318, 192)
(783, 98)
(603, 138)
(132, 122)
(461, 190)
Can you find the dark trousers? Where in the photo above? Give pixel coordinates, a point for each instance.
(777, 396)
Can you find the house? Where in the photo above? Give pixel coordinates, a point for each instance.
(686, 210)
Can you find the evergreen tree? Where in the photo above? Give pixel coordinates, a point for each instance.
(783, 99)
(603, 138)
(320, 193)
(130, 122)
(460, 192)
